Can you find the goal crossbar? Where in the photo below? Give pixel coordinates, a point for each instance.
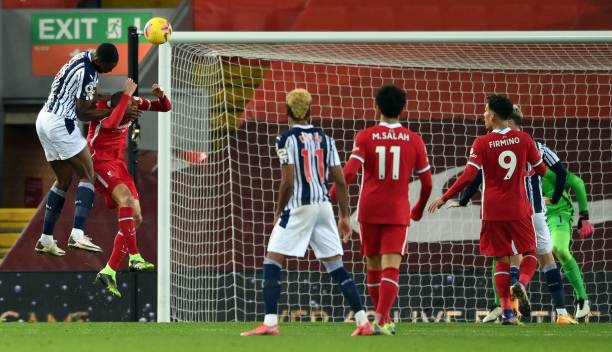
(392, 37)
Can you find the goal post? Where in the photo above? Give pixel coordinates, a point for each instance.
(217, 170)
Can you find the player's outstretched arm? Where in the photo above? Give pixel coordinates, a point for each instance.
(466, 177)
(114, 120)
(344, 225)
(285, 190)
(162, 104)
(469, 191)
(86, 110)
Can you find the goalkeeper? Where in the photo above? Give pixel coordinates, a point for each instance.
(560, 217)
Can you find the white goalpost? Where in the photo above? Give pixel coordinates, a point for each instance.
(218, 173)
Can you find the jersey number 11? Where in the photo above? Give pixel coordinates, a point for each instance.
(382, 162)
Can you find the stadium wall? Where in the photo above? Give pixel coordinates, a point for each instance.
(400, 15)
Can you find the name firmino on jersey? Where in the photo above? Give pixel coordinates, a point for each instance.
(390, 135)
(504, 142)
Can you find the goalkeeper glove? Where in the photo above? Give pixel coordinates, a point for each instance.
(584, 225)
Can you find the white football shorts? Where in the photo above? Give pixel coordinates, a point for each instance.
(544, 240)
(314, 225)
(59, 138)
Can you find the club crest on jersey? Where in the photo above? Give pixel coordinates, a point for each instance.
(390, 136)
(307, 137)
(90, 89)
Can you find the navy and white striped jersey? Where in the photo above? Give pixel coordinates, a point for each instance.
(77, 79)
(312, 153)
(534, 183)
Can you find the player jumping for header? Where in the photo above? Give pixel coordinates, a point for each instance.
(71, 97)
(304, 215)
(507, 228)
(107, 139)
(388, 154)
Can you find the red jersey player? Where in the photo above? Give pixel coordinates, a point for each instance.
(388, 154)
(106, 140)
(507, 229)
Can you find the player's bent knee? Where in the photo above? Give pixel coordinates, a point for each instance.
(64, 185)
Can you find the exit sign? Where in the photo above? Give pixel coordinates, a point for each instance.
(57, 36)
(81, 28)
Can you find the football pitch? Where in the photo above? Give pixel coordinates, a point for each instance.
(147, 337)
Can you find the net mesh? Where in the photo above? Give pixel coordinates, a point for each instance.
(228, 107)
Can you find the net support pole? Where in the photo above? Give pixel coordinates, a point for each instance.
(164, 152)
(132, 142)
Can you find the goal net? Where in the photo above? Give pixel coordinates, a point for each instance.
(228, 107)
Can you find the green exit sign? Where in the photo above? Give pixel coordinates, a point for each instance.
(81, 28)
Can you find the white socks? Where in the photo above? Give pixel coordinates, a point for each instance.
(561, 311)
(46, 240)
(361, 318)
(77, 234)
(271, 319)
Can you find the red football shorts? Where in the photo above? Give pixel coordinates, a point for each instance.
(109, 175)
(382, 239)
(505, 238)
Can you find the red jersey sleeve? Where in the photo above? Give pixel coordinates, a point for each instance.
(359, 147)
(114, 120)
(422, 162)
(533, 155)
(163, 104)
(476, 155)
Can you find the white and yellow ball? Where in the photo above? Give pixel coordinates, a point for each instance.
(158, 30)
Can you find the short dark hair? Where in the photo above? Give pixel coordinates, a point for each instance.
(517, 115)
(107, 52)
(391, 100)
(115, 98)
(500, 105)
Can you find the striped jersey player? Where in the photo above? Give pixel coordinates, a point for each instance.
(304, 216)
(72, 97)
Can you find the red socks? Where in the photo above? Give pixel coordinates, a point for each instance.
(119, 251)
(502, 284)
(127, 227)
(528, 267)
(374, 285)
(389, 285)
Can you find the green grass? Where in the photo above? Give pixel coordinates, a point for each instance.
(311, 337)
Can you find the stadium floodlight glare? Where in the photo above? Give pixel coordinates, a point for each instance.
(218, 171)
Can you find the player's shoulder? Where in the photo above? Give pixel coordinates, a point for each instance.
(296, 132)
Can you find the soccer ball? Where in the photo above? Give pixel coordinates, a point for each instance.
(158, 30)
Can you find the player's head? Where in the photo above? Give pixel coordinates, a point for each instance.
(390, 100)
(298, 105)
(106, 57)
(498, 110)
(516, 118)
